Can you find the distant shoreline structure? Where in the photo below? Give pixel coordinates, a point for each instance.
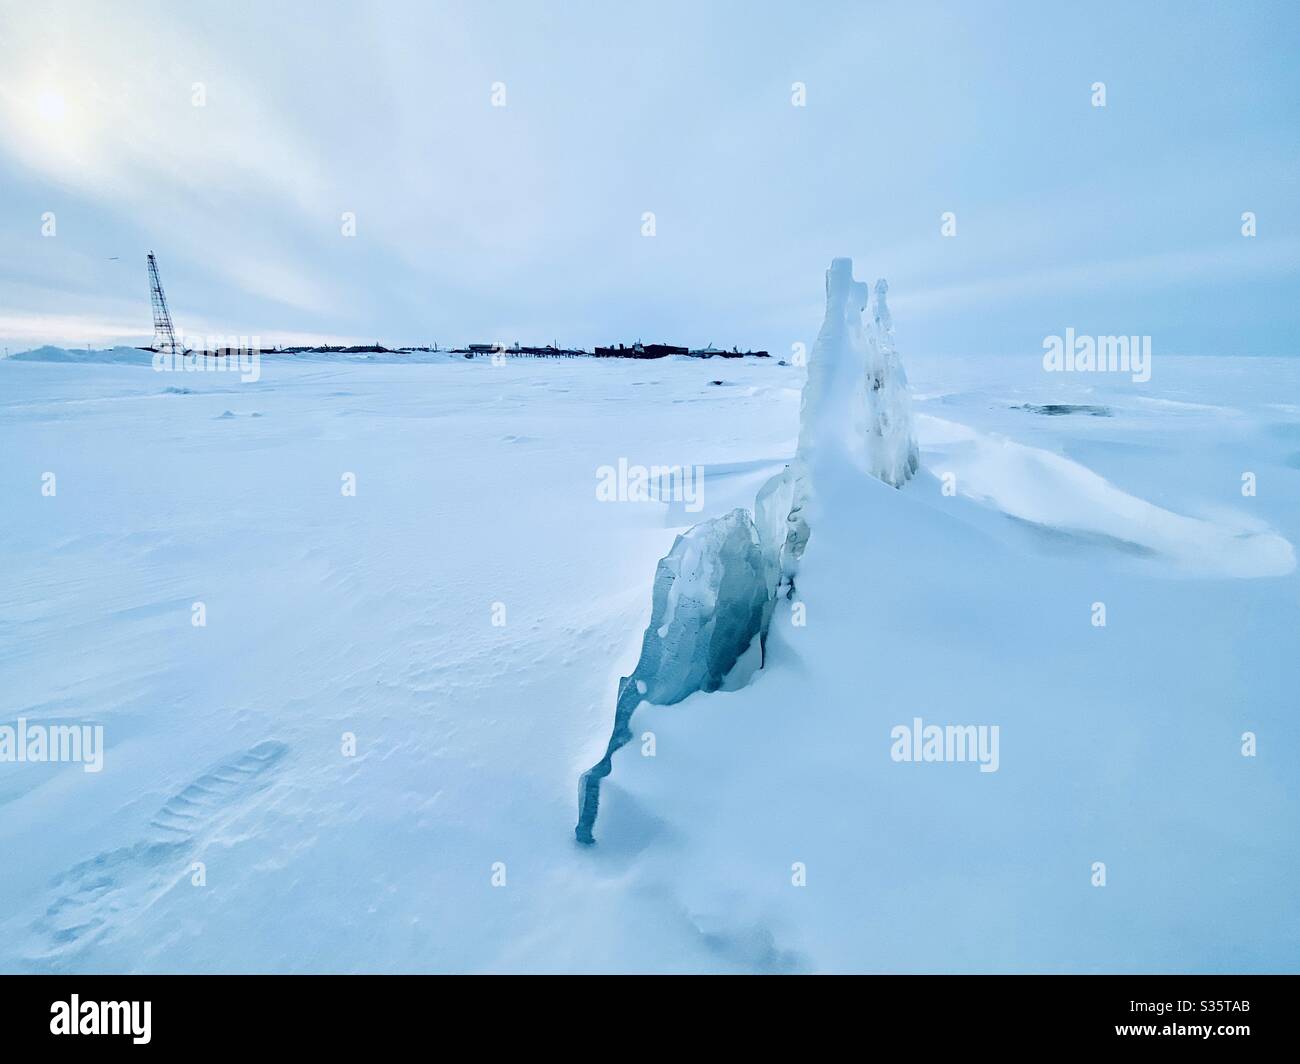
(165, 340)
(634, 351)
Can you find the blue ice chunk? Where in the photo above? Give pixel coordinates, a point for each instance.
(712, 598)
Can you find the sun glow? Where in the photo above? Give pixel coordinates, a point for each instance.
(46, 122)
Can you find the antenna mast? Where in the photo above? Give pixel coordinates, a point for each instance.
(164, 336)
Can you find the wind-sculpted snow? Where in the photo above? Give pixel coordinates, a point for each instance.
(711, 601)
(1067, 503)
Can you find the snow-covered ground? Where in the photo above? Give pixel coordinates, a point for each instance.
(446, 842)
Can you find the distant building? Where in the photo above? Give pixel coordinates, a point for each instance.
(640, 350)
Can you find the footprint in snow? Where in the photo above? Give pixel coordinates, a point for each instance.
(96, 895)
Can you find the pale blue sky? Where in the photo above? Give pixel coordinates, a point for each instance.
(477, 223)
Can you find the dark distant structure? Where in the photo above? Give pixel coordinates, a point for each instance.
(516, 350)
(164, 336)
(640, 350)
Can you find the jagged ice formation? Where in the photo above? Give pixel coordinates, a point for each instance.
(711, 602)
(890, 440)
(715, 591)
